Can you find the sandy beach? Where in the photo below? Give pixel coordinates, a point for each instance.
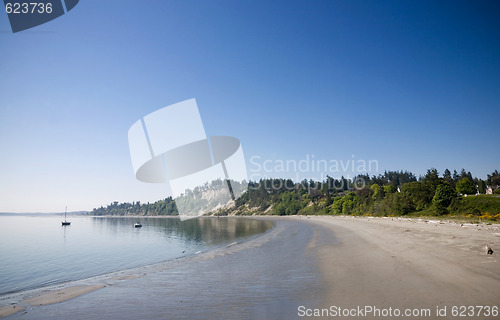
(305, 267)
(410, 264)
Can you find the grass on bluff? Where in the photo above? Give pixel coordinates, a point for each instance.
(470, 209)
(476, 205)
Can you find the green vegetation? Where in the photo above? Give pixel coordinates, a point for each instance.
(394, 193)
(465, 186)
(476, 205)
(443, 197)
(164, 207)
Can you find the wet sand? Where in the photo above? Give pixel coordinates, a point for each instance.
(56, 296)
(8, 310)
(309, 263)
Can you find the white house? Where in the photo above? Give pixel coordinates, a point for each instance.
(489, 190)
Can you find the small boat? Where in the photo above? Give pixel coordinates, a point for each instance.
(138, 225)
(65, 223)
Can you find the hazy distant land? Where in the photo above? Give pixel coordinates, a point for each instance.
(41, 213)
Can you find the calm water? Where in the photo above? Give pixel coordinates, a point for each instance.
(38, 251)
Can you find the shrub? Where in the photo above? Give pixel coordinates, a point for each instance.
(390, 189)
(486, 215)
(419, 194)
(345, 204)
(443, 197)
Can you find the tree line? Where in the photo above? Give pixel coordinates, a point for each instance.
(388, 194)
(158, 208)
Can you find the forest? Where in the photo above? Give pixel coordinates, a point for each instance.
(393, 193)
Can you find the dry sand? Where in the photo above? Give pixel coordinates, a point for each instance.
(409, 263)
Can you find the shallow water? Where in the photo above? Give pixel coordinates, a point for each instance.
(36, 251)
(266, 278)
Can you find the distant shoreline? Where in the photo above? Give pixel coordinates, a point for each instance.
(37, 214)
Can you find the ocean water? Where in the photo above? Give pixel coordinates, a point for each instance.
(36, 251)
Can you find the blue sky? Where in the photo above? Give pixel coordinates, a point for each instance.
(411, 84)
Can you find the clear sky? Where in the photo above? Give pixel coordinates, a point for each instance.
(410, 84)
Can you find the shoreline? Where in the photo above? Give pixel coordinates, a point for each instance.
(382, 262)
(56, 282)
(14, 302)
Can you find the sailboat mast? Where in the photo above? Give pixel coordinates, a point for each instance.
(65, 222)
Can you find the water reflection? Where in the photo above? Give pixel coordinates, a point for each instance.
(209, 231)
(37, 251)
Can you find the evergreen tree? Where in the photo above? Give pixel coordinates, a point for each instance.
(494, 179)
(465, 186)
(448, 178)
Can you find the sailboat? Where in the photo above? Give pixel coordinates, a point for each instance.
(65, 223)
